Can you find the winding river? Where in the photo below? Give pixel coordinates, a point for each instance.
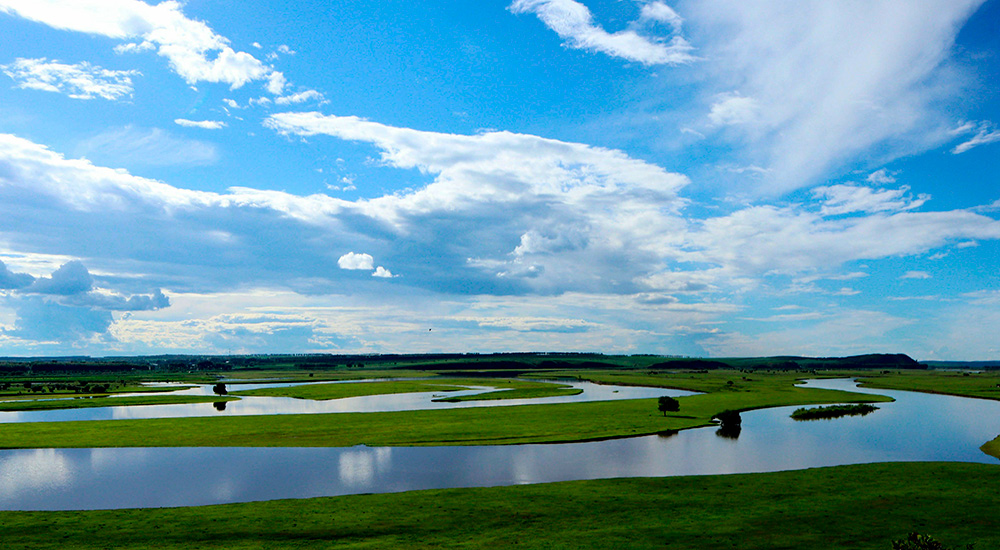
(261, 405)
(916, 427)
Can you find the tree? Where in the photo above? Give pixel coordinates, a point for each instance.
(668, 404)
(220, 389)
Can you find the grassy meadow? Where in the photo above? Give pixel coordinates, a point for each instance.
(858, 507)
(551, 423)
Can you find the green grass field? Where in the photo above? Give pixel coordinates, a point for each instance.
(468, 426)
(857, 507)
(513, 389)
(110, 401)
(983, 385)
(350, 389)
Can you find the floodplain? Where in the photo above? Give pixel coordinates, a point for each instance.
(706, 511)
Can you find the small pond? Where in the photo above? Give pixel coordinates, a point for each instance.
(917, 427)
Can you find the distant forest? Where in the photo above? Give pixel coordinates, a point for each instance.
(512, 363)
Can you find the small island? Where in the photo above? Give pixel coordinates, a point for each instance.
(833, 411)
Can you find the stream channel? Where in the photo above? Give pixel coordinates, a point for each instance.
(916, 427)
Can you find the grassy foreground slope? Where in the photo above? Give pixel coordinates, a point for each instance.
(470, 426)
(858, 507)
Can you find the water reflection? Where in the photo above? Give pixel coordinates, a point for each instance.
(358, 467)
(917, 427)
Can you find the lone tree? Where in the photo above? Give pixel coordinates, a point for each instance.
(668, 404)
(220, 389)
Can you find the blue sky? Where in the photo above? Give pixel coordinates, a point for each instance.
(710, 178)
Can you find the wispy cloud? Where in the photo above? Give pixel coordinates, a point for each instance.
(133, 146)
(796, 99)
(204, 124)
(846, 199)
(985, 134)
(300, 97)
(79, 81)
(573, 22)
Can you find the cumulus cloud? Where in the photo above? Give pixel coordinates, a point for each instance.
(113, 301)
(192, 49)
(382, 273)
(71, 278)
(204, 124)
(574, 23)
(79, 81)
(353, 260)
(502, 214)
(830, 83)
(11, 280)
(67, 307)
(732, 108)
(492, 189)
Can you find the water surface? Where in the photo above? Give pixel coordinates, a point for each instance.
(917, 427)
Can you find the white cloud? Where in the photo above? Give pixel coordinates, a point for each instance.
(12, 280)
(915, 275)
(80, 81)
(985, 134)
(830, 82)
(847, 291)
(382, 272)
(661, 13)
(71, 278)
(845, 199)
(881, 177)
(276, 83)
(353, 260)
(492, 189)
(192, 49)
(768, 239)
(300, 97)
(504, 214)
(573, 22)
(205, 124)
(732, 108)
